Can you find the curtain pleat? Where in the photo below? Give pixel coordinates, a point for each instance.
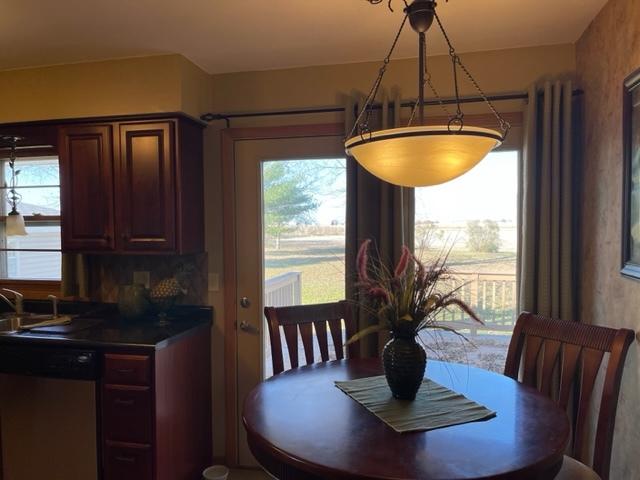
(377, 210)
(546, 261)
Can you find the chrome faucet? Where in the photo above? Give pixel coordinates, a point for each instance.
(18, 297)
(54, 302)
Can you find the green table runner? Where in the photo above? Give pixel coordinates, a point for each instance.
(435, 406)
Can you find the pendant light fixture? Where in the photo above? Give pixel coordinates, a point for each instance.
(422, 155)
(15, 222)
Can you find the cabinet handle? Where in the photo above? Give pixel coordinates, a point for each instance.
(120, 401)
(124, 371)
(124, 459)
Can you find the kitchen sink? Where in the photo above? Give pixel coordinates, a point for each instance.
(13, 323)
(10, 324)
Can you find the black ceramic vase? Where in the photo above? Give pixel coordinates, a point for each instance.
(404, 362)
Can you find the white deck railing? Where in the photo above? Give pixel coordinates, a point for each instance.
(493, 296)
(283, 290)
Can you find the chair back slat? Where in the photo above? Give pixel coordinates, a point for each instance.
(532, 350)
(321, 334)
(335, 325)
(306, 332)
(291, 336)
(273, 326)
(298, 314)
(570, 356)
(609, 403)
(591, 360)
(549, 362)
(326, 318)
(582, 346)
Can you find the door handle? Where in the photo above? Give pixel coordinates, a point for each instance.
(247, 327)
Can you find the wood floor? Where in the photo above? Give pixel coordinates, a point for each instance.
(238, 474)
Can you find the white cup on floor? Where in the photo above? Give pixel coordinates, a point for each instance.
(216, 472)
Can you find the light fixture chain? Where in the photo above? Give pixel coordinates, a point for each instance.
(13, 196)
(504, 125)
(427, 81)
(368, 104)
(376, 2)
(459, 116)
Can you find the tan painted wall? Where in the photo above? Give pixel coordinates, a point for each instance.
(195, 88)
(607, 52)
(167, 83)
(496, 71)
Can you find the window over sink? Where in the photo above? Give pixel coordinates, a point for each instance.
(36, 256)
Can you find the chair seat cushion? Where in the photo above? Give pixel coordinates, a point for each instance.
(574, 470)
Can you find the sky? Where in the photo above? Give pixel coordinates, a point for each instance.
(488, 191)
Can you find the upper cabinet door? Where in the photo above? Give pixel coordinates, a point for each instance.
(146, 191)
(86, 185)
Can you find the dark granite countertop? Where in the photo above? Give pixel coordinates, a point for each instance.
(100, 326)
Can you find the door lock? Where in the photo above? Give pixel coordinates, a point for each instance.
(245, 302)
(247, 327)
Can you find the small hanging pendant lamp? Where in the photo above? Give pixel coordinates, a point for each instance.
(15, 221)
(421, 155)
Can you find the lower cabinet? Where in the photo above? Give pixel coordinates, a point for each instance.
(128, 413)
(156, 420)
(126, 461)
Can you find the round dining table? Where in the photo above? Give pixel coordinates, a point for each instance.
(301, 426)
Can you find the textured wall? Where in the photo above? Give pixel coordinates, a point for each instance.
(608, 51)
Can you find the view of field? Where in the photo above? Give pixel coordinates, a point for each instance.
(320, 259)
(474, 226)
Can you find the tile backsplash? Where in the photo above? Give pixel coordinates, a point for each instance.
(108, 272)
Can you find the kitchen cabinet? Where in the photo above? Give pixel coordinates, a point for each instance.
(156, 420)
(86, 187)
(146, 187)
(132, 185)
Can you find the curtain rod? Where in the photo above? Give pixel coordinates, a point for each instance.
(209, 117)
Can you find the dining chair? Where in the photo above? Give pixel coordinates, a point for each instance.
(540, 347)
(303, 319)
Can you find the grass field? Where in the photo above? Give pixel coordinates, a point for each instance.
(320, 259)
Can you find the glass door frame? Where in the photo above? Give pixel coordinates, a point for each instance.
(230, 294)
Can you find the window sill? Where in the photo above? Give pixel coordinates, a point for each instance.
(33, 289)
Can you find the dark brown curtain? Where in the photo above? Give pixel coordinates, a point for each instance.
(548, 208)
(376, 210)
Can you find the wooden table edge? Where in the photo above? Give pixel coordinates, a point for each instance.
(291, 467)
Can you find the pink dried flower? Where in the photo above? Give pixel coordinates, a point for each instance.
(401, 268)
(362, 260)
(378, 292)
(462, 306)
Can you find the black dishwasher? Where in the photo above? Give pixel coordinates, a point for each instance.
(54, 362)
